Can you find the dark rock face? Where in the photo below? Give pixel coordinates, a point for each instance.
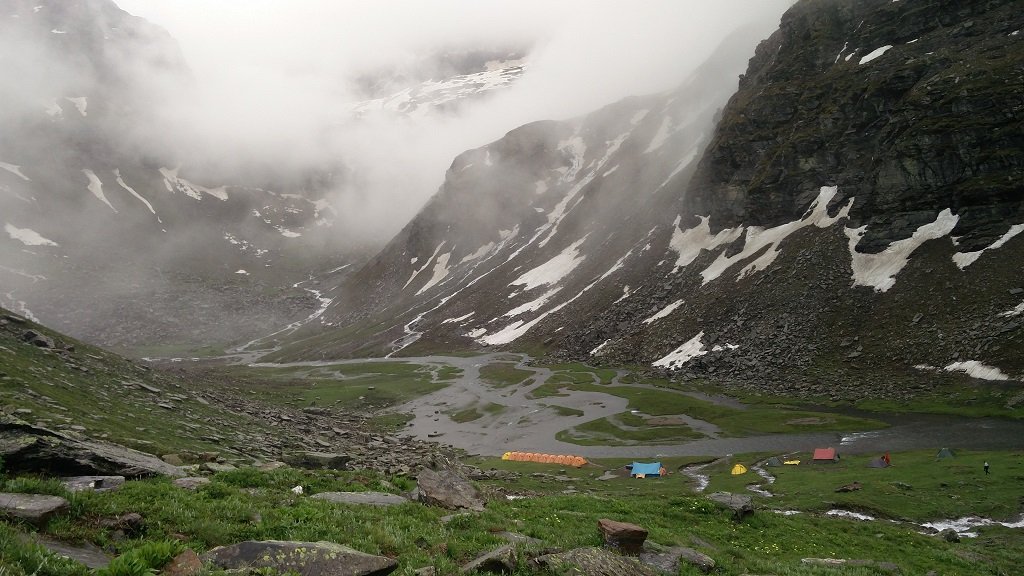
(317, 460)
(927, 125)
(305, 558)
(25, 447)
(448, 490)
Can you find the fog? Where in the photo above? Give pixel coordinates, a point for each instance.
(275, 80)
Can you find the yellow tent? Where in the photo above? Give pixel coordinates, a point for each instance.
(739, 469)
(792, 462)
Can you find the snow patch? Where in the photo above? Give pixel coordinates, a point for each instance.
(459, 319)
(625, 294)
(243, 272)
(661, 136)
(976, 369)
(117, 173)
(173, 183)
(96, 187)
(480, 253)
(664, 311)
(27, 236)
(533, 305)
(16, 170)
(689, 243)
(440, 272)
(424, 267)
(286, 232)
(879, 270)
(554, 270)
(597, 350)
(965, 259)
(692, 348)
(540, 187)
(1013, 312)
(875, 54)
(767, 241)
(54, 110)
(81, 103)
(638, 117)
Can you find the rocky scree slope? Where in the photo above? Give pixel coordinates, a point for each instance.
(69, 408)
(853, 219)
(104, 232)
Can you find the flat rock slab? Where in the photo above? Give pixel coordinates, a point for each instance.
(448, 490)
(94, 483)
(89, 555)
(499, 561)
(669, 560)
(34, 508)
(368, 498)
(191, 482)
(741, 505)
(28, 448)
(594, 562)
(305, 558)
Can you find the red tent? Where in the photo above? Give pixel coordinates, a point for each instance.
(825, 455)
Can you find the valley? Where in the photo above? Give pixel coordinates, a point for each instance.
(589, 289)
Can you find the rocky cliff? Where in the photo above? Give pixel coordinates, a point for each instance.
(846, 223)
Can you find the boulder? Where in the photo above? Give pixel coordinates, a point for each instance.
(94, 483)
(629, 538)
(28, 448)
(37, 339)
(741, 505)
(305, 558)
(90, 555)
(368, 498)
(36, 509)
(499, 561)
(131, 524)
(594, 562)
(214, 467)
(185, 564)
(669, 560)
(950, 535)
(318, 460)
(448, 490)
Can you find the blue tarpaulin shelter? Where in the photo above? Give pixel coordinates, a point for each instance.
(645, 469)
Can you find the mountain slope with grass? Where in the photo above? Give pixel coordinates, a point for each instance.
(847, 223)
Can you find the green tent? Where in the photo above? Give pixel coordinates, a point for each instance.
(945, 453)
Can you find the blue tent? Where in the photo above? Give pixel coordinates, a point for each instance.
(645, 468)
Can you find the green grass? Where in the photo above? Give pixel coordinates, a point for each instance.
(248, 504)
(613, 431)
(503, 374)
(476, 412)
(565, 410)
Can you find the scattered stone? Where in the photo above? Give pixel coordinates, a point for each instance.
(191, 482)
(173, 459)
(594, 562)
(319, 460)
(1015, 291)
(629, 538)
(609, 475)
(668, 560)
(305, 558)
(185, 564)
(851, 487)
(517, 538)
(130, 524)
(425, 571)
(270, 466)
(215, 467)
(36, 339)
(94, 483)
(448, 490)
(950, 535)
(741, 505)
(368, 498)
(36, 509)
(499, 561)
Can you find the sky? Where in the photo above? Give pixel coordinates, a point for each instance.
(272, 73)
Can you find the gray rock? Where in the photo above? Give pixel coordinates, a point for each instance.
(90, 555)
(949, 535)
(318, 460)
(368, 498)
(34, 508)
(498, 561)
(594, 562)
(305, 558)
(425, 571)
(215, 467)
(94, 483)
(28, 448)
(741, 505)
(191, 482)
(448, 490)
(669, 560)
(37, 339)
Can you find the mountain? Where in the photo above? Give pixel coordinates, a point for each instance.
(851, 215)
(106, 234)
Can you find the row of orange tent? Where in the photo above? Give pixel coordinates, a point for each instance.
(563, 459)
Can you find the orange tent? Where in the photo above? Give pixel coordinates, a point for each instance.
(563, 459)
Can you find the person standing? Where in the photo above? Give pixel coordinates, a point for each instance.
(986, 467)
